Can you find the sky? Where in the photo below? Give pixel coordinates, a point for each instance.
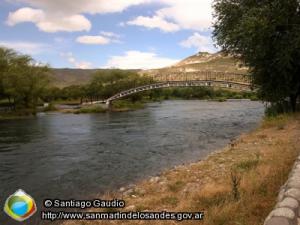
(126, 34)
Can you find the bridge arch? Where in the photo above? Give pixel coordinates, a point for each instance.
(221, 84)
(234, 81)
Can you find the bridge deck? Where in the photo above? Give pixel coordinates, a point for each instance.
(190, 79)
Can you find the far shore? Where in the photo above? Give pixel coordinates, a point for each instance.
(122, 105)
(76, 108)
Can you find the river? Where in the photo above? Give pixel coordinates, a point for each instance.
(76, 156)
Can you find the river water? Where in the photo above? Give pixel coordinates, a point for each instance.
(75, 156)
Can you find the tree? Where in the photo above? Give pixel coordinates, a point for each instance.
(21, 79)
(105, 84)
(266, 36)
(6, 57)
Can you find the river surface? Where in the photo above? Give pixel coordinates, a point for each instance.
(72, 156)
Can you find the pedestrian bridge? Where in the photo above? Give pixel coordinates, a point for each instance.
(241, 82)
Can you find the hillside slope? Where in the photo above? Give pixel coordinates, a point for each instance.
(67, 77)
(204, 61)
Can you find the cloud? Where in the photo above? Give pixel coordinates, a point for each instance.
(93, 40)
(69, 23)
(139, 60)
(26, 47)
(154, 22)
(77, 64)
(25, 15)
(65, 15)
(188, 14)
(110, 34)
(83, 6)
(178, 14)
(200, 42)
(103, 39)
(49, 23)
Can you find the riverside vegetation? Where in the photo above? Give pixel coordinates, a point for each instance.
(25, 86)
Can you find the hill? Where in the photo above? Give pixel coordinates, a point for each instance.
(66, 77)
(202, 61)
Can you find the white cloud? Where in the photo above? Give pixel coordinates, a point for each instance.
(178, 14)
(93, 40)
(139, 60)
(188, 14)
(154, 22)
(84, 6)
(65, 15)
(25, 47)
(65, 23)
(25, 15)
(200, 42)
(77, 64)
(110, 34)
(49, 23)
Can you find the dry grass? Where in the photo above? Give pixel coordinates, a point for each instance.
(260, 161)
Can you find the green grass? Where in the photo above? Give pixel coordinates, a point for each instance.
(91, 109)
(247, 165)
(279, 121)
(125, 105)
(17, 114)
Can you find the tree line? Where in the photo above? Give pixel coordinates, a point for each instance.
(25, 84)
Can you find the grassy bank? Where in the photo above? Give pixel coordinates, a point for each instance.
(126, 105)
(12, 115)
(117, 106)
(237, 185)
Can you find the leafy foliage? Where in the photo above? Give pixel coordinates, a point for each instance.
(21, 80)
(266, 36)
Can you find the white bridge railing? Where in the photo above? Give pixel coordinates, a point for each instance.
(190, 79)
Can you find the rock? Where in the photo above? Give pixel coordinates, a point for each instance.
(289, 203)
(122, 189)
(294, 193)
(281, 195)
(283, 212)
(294, 183)
(154, 179)
(277, 221)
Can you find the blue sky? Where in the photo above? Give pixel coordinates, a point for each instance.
(107, 34)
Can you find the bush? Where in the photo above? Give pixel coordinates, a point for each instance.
(276, 109)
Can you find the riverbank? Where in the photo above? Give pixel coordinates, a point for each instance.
(126, 105)
(237, 185)
(123, 105)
